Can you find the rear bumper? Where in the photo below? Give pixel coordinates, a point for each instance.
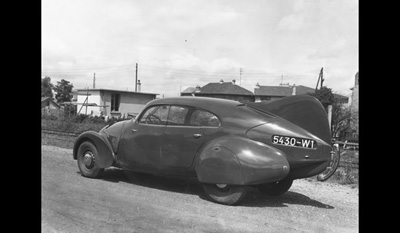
(310, 166)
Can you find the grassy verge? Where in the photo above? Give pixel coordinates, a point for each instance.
(76, 124)
(347, 174)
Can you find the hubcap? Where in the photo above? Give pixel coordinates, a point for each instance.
(88, 159)
(221, 186)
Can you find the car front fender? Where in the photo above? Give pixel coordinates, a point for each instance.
(105, 156)
(240, 161)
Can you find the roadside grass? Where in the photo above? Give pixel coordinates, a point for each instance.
(75, 124)
(347, 175)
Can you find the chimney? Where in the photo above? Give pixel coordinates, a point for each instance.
(197, 88)
(257, 85)
(294, 89)
(221, 81)
(139, 85)
(356, 80)
(233, 81)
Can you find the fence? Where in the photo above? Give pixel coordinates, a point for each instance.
(52, 112)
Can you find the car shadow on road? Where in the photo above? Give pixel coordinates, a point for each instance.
(167, 183)
(191, 186)
(256, 199)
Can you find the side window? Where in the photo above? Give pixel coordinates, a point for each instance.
(156, 115)
(204, 118)
(177, 115)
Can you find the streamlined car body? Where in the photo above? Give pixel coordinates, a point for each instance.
(227, 145)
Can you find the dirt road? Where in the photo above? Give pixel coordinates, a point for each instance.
(128, 202)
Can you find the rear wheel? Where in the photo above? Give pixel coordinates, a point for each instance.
(86, 158)
(275, 188)
(225, 194)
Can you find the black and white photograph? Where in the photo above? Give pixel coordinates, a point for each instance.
(200, 116)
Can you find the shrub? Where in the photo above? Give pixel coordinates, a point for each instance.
(74, 124)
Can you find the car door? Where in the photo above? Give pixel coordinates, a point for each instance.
(184, 135)
(142, 140)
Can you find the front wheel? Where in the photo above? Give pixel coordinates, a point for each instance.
(224, 193)
(86, 157)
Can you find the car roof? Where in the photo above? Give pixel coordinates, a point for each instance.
(212, 104)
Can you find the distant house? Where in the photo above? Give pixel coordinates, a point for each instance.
(223, 90)
(112, 103)
(270, 93)
(48, 103)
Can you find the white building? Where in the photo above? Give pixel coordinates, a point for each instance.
(112, 103)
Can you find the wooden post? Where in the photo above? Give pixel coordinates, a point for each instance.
(330, 116)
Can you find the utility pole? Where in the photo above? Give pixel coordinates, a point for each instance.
(240, 76)
(94, 80)
(320, 77)
(136, 78)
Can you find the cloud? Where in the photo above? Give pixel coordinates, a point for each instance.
(292, 22)
(335, 49)
(301, 16)
(205, 39)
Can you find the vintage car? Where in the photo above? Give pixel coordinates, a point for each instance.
(226, 145)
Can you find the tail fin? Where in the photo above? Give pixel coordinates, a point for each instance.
(302, 110)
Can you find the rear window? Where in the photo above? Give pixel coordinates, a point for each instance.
(204, 118)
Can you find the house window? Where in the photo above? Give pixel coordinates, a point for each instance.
(115, 100)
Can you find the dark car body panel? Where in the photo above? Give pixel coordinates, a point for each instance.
(239, 160)
(302, 110)
(239, 151)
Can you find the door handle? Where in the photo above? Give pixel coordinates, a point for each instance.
(134, 130)
(196, 135)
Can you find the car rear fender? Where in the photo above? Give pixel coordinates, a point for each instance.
(240, 161)
(105, 156)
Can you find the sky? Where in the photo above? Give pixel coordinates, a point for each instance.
(185, 43)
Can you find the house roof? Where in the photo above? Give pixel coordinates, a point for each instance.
(280, 91)
(189, 90)
(226, 88)
(114, 90)
(44, 99)
(272, 91)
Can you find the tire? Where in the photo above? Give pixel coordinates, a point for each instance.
(225, 194)
(86, 157)
(275, 188)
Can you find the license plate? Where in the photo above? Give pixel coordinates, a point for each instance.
(294, 141)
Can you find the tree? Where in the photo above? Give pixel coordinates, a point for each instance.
(47, 87)
(342, 118)
(341, 121)
(325, 96)
(63, 89)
